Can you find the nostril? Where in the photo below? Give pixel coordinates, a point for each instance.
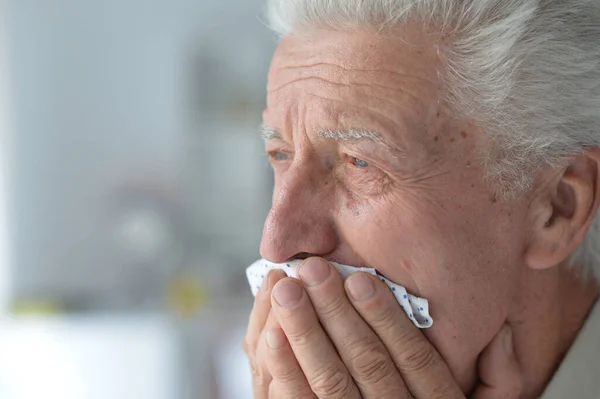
(303, 255)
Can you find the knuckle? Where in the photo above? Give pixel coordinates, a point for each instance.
(284, 374)
(331, 383)
(246, 346)
(335, 308)
(303, 336)
(383, 316)
(444, 392)
(371, 364)
(249, 345)
(420, 357)
(260, 376)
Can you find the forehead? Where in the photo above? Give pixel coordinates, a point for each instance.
(409, 49)
(385, 80)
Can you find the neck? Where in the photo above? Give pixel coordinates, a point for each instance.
(545, 320)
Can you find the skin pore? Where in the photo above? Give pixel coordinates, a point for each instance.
(409, 197)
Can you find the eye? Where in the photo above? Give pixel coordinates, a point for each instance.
(360, 163)
(278, 156)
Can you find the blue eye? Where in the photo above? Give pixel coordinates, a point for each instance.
(360, 163)
(279, 156)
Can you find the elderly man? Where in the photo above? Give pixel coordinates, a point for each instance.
(453, 146)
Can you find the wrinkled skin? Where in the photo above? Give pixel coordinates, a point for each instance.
(413, 204)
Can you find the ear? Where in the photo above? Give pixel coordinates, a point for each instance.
(564, 211)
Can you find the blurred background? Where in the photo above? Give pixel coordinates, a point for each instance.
(133, 189)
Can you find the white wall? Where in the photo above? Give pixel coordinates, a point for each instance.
(5, 157)
(102, 91)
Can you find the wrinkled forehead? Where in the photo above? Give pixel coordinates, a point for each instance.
(407, 53)
(362, 80)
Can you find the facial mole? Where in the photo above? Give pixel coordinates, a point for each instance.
(493, 199)
(468, 164)
(438, 114)
(463, 134)
(436, 138)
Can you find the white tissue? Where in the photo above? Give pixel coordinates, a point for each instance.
(417, 309)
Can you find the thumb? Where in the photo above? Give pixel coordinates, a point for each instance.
(499, 371)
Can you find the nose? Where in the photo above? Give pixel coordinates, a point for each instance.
(300, 222)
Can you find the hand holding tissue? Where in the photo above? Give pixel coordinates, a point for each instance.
(417, 309)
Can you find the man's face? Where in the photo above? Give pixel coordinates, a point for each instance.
(408, 199)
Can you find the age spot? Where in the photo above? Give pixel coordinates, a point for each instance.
(452, 139)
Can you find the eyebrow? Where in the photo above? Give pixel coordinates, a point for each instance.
(269, 133)
(361, 135)
(352, 134)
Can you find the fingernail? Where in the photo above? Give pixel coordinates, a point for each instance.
(268, 282)
(287, 293)
(313, 271)
(275, 338)
(360, 286)
(264, 287)
(507, 340)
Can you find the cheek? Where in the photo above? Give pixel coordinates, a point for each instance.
(455, 254)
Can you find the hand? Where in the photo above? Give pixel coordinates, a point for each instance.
(360, 349)
(255, 340)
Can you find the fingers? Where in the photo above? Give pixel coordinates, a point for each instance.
(324, 370)
(274, 392)
(260, 311)
(499, 371)
(258, 318)
(361, 350)
(261, 377)
(289, 381)
(423, 370)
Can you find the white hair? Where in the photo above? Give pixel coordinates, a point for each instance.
(528, 71)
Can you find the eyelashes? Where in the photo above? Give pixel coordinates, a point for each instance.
(352, 173)
(279, 156)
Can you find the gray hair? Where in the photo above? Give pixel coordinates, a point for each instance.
(528, 71)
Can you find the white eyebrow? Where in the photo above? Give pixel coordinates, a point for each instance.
(269, 133)
(356, 135)
(351, 134)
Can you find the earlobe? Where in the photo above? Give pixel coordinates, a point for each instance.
(564, 211)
